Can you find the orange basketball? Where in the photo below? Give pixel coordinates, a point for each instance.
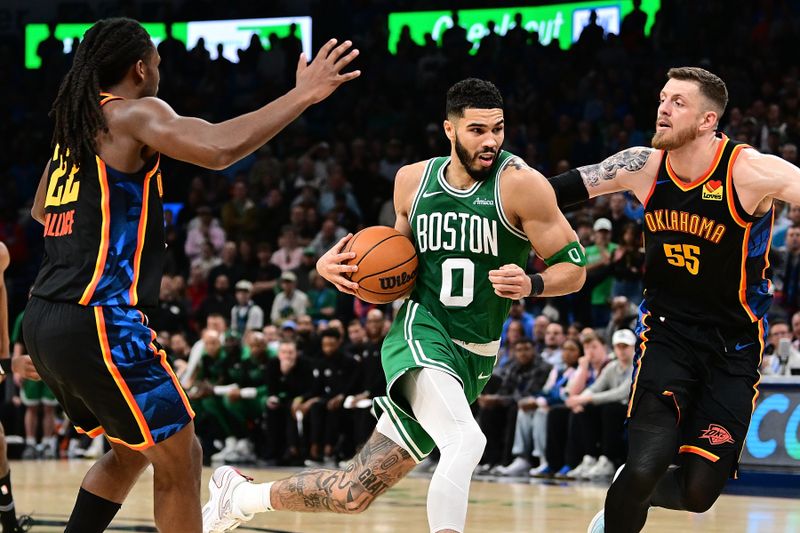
(387, 264)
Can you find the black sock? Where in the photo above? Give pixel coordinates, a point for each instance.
(91, 513)
(8, 515)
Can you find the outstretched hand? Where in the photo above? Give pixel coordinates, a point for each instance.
(330, 266)
(324, 75)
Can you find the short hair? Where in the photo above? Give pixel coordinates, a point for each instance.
(711, 86)
(472, 93)
(524, 340)
(589, 337)
(331, 332)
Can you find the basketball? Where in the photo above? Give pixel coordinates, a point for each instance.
(387, 264)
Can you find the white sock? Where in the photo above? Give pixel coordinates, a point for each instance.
(30, 441)
(249, 498)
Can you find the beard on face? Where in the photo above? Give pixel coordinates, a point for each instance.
(673, 139)
(477, 173)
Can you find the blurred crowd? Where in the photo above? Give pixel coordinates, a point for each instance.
(280, 366)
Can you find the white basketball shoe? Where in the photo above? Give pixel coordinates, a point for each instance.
(218, 513)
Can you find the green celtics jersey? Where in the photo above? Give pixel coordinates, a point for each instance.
(460, 235)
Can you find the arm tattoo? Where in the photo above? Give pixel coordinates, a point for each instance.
(632, 160)
(518, 163)
(380, 464)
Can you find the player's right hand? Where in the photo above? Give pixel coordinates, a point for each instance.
(330, 266)
(320, 78)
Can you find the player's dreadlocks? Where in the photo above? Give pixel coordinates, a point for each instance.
(109, 48)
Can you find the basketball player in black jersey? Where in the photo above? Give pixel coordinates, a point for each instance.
(708, 223)
(99, 200)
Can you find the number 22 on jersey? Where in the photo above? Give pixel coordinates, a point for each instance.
(683, 255)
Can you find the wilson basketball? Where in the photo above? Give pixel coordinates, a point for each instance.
(387, 264)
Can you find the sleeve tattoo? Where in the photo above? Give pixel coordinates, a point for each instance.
(380, 464)
(632, 160)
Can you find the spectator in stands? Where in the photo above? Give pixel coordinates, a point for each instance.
(289, 253)
(786, 266)
(524, 376)
(627, 265)
(553, 339)
(289, 381)
(366, 351)
(245, 394)
(617, 217)
(246, 315)
(289, 303)
(598, 413)
(229, 265)
(779, 354)
(539, 330)
(307, 267)
(335, 377)
(590, 364)
(204, 229)
(598, 270)
(329, 235)
(514, 332)
(265, 278)
(322, 298)
(219, 301)
(171, 314)
(623, 316)
(518, 312)
(239, 213)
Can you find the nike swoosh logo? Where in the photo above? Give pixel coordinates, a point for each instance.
(662, 181)
(481, 376)
(429, 194)
(743, 346)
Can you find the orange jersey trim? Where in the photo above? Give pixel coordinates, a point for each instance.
(165, 364)
(123, 387)
(653, 186)
(729, 184)
(714, 163)
(133, 297)
(677, 407)
(756, 392)
(643, 346)
(699, 451)
(108, 97)
(743, 276)
(92, 432)
(102, 252)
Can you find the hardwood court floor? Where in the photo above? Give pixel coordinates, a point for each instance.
(47, 489)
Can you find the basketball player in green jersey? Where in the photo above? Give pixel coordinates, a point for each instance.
(473, 224)
(708, 221)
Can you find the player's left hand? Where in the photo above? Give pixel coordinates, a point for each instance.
(22, 365)
(510, 281)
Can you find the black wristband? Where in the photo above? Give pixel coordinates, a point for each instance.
(5, 366)
(537, 285)
(569, 188)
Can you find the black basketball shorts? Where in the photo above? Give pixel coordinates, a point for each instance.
(107, 371)
(708, 374)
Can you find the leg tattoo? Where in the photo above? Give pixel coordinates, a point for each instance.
(380, 464)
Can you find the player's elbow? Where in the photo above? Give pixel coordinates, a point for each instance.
(38, 214)
(220, 157)
(578, 279)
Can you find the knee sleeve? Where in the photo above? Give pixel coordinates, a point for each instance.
(438, 403)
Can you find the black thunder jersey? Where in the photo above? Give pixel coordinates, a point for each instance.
(103, 233)
(705, 257)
